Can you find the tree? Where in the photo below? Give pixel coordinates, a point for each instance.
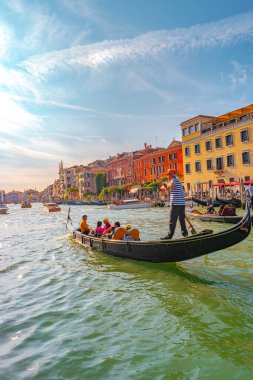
(100, 180)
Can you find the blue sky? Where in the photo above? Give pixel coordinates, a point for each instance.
(82, 80)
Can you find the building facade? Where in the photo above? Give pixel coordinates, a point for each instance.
(218, 151)
(154, 163)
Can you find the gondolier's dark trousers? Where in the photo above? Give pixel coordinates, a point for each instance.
(177, 212)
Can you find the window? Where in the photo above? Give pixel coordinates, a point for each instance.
(163, 159)
(219, 163)
(145, 172)
(151, 171)
(185, 131)
(175, 166)
(154, 161)
(244, 135)
(187, 168)
(159, 160)
(231, 179)
(218, 143)
(175, 156)
(170, 157)
(230, 160)
(191, 129)
(187, 151)
(209, 164)
(229, 140)
(170, 166)
(197, 148)
(197, 166)
(145, 163)
(196, 127)
(247, 178)
(208, 145)
(245, 158)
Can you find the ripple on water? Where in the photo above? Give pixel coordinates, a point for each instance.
(68, 311)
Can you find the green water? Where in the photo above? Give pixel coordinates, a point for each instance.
(71, 313)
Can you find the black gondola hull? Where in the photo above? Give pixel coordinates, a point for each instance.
(167, 250)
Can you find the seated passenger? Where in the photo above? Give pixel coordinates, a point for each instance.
(127, 236)
(84, 227)
(210, 209)
(113, 230)
(106, 224)
(99, 229)
(221, 208)
(229, 210)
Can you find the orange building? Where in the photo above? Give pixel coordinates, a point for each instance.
(154, 164)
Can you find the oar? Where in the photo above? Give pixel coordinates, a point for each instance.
(193, 231)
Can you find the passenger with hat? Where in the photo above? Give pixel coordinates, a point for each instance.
(107, 225)
(177, 206)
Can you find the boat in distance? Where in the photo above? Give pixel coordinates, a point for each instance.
(3, 209)
(130, 203)
(160, 251)
(214, 217)
(26, 204)
(51, 207)
(217, 202)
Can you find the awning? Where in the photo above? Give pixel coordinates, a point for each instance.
(234, 183)
(219, 184)
(248, 182)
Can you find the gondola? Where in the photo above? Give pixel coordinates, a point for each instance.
(167, 250)
(203, 202)
(233, 201)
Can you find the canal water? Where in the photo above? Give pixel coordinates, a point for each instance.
(71, 313)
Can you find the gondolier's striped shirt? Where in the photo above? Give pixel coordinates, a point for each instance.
(177, 193)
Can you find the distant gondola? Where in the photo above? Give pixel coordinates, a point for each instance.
(233, 201)
(167, 250)
(203, 202)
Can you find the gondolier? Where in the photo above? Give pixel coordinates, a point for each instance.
(177, 206)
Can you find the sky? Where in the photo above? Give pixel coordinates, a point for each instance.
(84, 80)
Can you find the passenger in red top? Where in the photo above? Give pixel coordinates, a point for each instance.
(99, 230)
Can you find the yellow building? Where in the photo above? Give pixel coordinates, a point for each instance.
(218, 150)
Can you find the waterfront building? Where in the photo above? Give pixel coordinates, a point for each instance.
(218, 151)
(87, 176)
(154, 163)
(14, 197)
(121, 167)
(31, 195)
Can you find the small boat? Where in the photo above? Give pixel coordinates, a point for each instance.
(51, 207)
(130, 203)
(203, 202)
(76, 203)
(160, 251)
(213, 217)
(3, 209)
(233, 201)
(26, 204)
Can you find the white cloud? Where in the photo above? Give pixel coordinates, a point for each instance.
(5, 39)
(14, 119)
(239, 75)
(151, 44)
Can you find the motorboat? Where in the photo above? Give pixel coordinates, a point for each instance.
(51, 207)
(3, 209)
(130, 204)
(26, 204)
